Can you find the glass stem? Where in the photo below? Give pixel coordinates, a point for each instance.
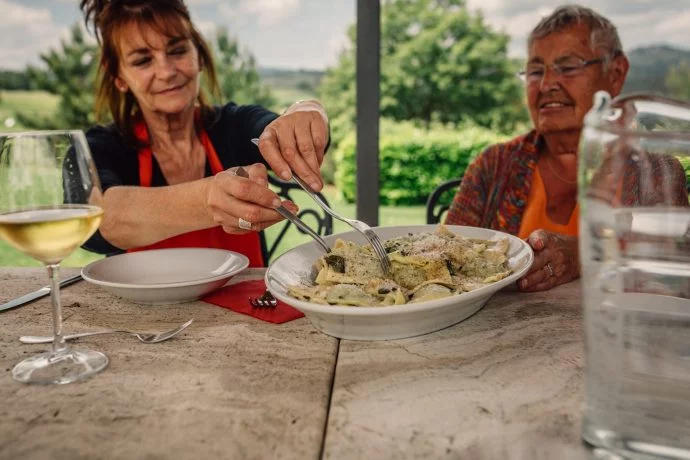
(54, 275)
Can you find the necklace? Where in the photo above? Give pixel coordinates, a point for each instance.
(553, 170)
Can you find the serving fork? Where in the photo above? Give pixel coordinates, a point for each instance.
(358, 225)
(285, 212)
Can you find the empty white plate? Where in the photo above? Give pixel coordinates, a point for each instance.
(165, 276)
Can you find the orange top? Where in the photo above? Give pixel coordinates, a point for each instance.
(535, 216)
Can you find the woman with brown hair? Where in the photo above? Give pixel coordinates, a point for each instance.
(168, 161)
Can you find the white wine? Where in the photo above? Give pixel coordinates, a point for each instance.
(50, 234)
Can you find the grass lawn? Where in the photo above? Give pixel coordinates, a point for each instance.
(399, 215)
(38, 103)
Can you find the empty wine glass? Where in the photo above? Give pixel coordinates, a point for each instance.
(49, 205)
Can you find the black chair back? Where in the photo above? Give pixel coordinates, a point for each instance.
(440, 199)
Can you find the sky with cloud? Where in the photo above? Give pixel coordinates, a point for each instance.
(310, 33)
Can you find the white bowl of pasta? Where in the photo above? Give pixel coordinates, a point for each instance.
(343, 296)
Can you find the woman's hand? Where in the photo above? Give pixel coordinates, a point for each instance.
(244, 204)
(296, 141)
(556, 261)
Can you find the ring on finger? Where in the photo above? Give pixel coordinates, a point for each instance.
(238, 171)
(549, 269)
(244, 224)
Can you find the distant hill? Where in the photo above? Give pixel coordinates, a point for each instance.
(301, 79)
(649, 66)
(648, 69)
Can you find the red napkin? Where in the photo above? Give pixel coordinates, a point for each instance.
(236, 298)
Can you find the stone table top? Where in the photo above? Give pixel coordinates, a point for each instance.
(506, 383)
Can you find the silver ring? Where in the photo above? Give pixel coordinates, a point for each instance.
(244, 224)
(238, 171)
(549, 269)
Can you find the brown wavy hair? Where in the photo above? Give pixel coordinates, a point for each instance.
(109, 19)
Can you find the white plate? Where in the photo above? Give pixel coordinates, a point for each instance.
(165, 276)
(391, 322)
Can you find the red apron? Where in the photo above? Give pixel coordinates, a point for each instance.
(248, 244)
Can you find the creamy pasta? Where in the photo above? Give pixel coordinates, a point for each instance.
(425, 266)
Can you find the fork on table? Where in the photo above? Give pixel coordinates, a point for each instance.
(265, 301)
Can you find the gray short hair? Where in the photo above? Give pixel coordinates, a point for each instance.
(603, 34)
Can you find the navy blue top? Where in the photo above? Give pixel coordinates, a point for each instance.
(230, 130)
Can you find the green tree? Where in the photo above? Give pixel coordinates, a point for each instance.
(70, 74)
(238, 77)
(438, 63)
(678, 81)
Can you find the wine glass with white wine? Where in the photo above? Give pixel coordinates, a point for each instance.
(50, 198)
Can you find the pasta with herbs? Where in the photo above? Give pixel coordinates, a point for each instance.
(425, 266)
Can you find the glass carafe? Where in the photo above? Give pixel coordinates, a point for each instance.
(634, 159)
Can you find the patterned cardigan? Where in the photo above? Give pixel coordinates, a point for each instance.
(496, 185)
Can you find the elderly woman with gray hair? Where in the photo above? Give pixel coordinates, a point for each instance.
(528, 185)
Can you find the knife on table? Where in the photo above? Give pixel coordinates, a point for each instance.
(37, 294)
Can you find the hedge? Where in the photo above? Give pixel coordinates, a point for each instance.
(413, 161)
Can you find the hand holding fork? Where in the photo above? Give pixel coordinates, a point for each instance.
(358, 225)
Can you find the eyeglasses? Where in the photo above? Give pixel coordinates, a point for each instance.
(571, 67)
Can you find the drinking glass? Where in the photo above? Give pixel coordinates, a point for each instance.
(635, 252)
(49, 205)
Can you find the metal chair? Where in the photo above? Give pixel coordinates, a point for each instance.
(324, 221)
(440, 199)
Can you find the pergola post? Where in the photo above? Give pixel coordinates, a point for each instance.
(368, 77)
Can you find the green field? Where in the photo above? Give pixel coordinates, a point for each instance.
(29, 103)
(41, 104)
